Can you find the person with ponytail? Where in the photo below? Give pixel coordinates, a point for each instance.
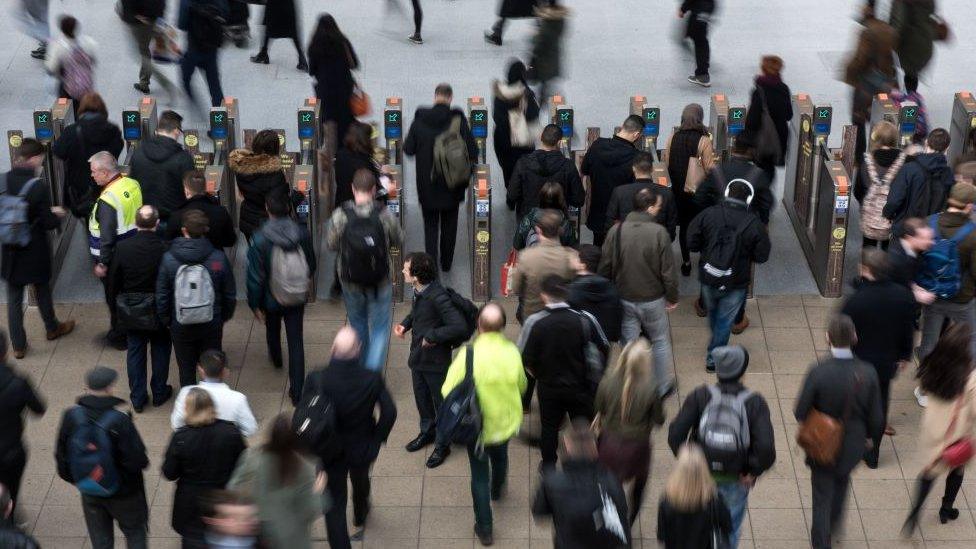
(628, 408)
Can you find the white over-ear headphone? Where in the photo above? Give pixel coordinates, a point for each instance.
(752, 191)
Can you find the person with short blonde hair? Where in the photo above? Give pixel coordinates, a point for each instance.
(690, 505)
(882, 163)
(200, 408)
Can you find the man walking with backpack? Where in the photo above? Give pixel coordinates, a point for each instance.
(28, 215)
(159, 164)
(732, 426)
(195, 294)
(922, 185)
(539, 167)
(101, 453)
(637, 257)
(280, 267)
(436, 327)
(729, 237)
(203, 21)
(363, 231)
(440, 139)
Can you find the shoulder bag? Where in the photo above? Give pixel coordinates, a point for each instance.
(696, 171)
(957, 454)
(821, 435)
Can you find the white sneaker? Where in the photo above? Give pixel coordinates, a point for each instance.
(923, 400)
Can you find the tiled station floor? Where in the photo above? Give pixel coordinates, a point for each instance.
(416, 507)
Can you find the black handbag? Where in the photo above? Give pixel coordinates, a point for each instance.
(136, 311)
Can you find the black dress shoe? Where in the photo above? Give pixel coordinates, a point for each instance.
(359, 521)
(423, 439)
(167, 394)
(138, 409)
(438, 456)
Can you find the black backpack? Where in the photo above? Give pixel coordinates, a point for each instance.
(930, 198)
(722, 252)
(459, 419)
(468, 310)
(314, 420)
(364, 250)
(206, 25)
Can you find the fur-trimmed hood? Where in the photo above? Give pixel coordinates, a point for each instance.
(552, 13)
(508, 92)
(245, 162)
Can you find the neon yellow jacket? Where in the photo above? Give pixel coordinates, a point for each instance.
(499, 380)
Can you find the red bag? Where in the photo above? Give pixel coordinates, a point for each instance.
(508, 272)
(359, 102)
(961, 451)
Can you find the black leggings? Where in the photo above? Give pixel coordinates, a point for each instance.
(418, 16)
(924, 485)
(294, 39)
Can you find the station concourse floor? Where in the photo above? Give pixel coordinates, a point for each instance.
(421, 508)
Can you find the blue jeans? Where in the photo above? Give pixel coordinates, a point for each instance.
(206, 61)
(370, 313)
(736, 497)
(135, 361)
(722, 306)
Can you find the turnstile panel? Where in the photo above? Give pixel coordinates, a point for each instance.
(480, 211)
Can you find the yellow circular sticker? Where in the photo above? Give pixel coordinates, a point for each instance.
(16, 141)
(839, 233)
(483, 237)
(972, 123)
(191, 140)
(281, 140)
(806, 125)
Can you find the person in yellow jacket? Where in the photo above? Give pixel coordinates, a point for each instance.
(499, 381)
(112, 219)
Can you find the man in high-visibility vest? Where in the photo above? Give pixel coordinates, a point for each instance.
(112, 219)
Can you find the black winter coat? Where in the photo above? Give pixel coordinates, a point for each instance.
(427, 124)
(534, 170)
(827, 388)
(32, 263)
(622, 203)
(762, 446)
(16, 395)
(907, 186)
(883, 312)
(221, 234)
(92, 133)
(128, 451)
(516, 9)
(435, 319)
(507, 97)
(150, 9)
(280, 19)
(158, 164)
(712, 189)
(547, 48)
(780, 106)
(546, 352)
(200, 459)
(355, 392)
(189, 251)
(346, 164)
(608, 164)
(12, 538)
(135, 265)
(753, 243)
(677, 529)
(258, 177)
(334, 84)
(598, 296)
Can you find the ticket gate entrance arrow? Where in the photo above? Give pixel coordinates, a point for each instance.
(479, 205)
(304, 183)
(393, 174)
(962, 127)
(564, 116)
(651, 115)
(224, 128)
(726, 122)
(137, 124)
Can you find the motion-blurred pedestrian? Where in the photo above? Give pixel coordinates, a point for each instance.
(203, 22)
(331, 60)
(770, 95)
(141, 17)
(17, 395)
(514, 111)
(72, 61)
(509, 9)
(691, 512)
(11, 535)
(547, 47)
(912, 21)
(699, 14)
(33, 17)
(870, 70)
(281, 21)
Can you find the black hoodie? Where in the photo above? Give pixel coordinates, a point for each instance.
(608, 163)
(221, 233)
(78, 142)
(158, 165)
(190, 251)
(16, 395)
(598, 296)
(534, 170)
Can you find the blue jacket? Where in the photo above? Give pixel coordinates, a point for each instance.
(907, 184)
(185, 251)
(286, 234)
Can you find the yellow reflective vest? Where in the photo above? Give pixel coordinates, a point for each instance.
(125, 196)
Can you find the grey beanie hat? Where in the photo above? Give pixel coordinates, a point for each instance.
(730, 361)
(100, 377)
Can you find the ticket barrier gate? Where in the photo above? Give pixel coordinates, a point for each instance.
(479, 205)
(392, 179)
(304, 183)
(651, 115)
(564, 116)
(191, 141)
(904, 116)
(963, 125)
(726, 122)
(219, 179)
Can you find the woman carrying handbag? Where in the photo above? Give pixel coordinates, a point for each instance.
(946, 375)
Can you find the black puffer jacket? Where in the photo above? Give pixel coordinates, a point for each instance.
(622, 203)
(608, 163)
(780, 106)
(258, 177)
(535, 170)
(158, 165)
(221, 233)
(598, 296)
(753, 241)
(434, 318)
(91, 134)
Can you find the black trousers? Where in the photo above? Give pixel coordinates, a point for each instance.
(266, 44)
(440, 235)
(427, 395)
(886, 372)
(698, 32)
(292, 317)
(113, 332)
(335, 519)
(554, 404)
(189, 342)
(599, 237)
(12, 465)
(15, 312)
(829, 496)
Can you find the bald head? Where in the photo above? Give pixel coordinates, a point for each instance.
(346, 343)
(147, 217)
(491, 318)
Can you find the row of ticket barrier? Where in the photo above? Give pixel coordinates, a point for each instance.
(816, 192)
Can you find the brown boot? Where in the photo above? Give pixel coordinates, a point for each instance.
(20, 353)
(741, 326)
(64, 328)
(700, 308)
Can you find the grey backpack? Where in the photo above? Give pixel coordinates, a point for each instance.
(451, 160)
(193, 295)
(723, 431)
(289, 276)
(14, 227)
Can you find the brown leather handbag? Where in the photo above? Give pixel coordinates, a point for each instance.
(821, 436)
